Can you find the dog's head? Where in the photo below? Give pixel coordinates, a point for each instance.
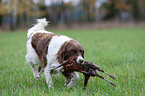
(71, 49)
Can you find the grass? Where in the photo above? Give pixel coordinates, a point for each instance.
(121, 52)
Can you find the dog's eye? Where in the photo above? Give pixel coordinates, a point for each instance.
(81, 51)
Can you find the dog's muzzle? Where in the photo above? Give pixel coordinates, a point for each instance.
(80, 59)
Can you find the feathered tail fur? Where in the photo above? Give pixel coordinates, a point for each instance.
(40, 26)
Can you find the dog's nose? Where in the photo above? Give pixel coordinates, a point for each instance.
(81, 60)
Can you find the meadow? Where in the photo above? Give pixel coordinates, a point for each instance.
(119, 51)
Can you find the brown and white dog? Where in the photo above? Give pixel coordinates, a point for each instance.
(49, 50)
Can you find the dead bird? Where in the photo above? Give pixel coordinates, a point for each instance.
(87, 68)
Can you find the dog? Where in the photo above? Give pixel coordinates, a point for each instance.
(48, 50)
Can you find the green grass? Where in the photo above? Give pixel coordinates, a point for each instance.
(120, 52)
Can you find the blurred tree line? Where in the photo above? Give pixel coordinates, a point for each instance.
(22, 13)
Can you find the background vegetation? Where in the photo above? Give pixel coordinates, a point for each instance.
(118, 51)
(19, 13)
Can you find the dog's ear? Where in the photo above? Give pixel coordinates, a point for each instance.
(61, 53)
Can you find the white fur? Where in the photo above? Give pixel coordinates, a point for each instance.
(73, 81)
(39, 27)
(52, 62)
(32, 58)
(53, 48)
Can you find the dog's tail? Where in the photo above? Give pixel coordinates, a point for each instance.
(41, 24)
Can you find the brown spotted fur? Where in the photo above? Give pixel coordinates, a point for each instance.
(40, 42)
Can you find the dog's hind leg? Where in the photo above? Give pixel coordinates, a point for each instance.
(40, 71)
(33, 69)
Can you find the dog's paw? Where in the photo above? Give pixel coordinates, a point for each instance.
(65, 84)
(49, 86)
(38, 77)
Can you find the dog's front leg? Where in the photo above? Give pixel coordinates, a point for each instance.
(48, 77)
(73, 81)
(67, 80)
